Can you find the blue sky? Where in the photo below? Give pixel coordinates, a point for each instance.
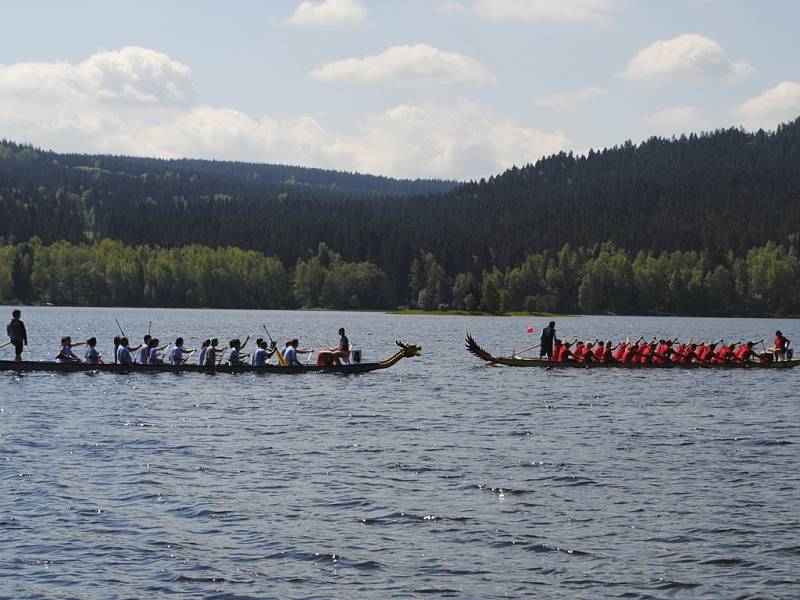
(451, 88)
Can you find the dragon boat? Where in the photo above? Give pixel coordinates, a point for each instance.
(517, 361)
(26, 366)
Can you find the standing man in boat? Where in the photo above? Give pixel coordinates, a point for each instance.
(546, 345)
(17, 334)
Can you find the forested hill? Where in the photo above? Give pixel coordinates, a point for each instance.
(719, 194)
(727, 190)
(258, 172)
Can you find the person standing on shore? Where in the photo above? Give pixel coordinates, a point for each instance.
(546, 345)
(17, 334)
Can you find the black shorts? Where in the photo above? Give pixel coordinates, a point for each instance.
(18, 346)
(546, 351)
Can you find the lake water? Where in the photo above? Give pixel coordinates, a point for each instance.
(438, 477)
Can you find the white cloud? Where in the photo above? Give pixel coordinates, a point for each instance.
(141, 102)
(130, 74)
(690, 55)
(570, 102)
(437, 140)
(329, 12)
(592, 11)
(418, 65)
(674, 121)
(777, 105)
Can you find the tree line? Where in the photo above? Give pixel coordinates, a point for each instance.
(709, 193)
(604, 278)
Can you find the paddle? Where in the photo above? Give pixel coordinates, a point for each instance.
(120, 327)
(4, 345)
(514, 353)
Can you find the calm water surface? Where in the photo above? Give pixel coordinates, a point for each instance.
(438, 477)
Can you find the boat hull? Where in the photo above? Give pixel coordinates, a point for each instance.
(51, 367)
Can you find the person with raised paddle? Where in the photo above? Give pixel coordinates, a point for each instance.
(263, 354)
(546, 341)
(17, 335)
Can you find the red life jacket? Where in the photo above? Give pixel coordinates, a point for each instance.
(644, 356)
(563, 353)
(630, 353)
(743, 352)
(620, 351)
(557, 352)
(780, 343)
(598, 352)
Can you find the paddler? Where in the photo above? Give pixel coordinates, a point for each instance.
(152, 353)
(177, 352)
(17, 334)
(65, 353)
(254, 352)
(235, 357)
(745, 352)
(92, 356)
(341, 354)
(565, 353)
(201, 359)
(124, 356)
(263, 354)
(211, 353)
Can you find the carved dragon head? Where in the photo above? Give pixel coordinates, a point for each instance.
(409, 350)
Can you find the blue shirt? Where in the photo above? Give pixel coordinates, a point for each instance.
(152, 357)
(144, 352)
(124, 356)
(260, 357)
(176, 356)
(92, 355)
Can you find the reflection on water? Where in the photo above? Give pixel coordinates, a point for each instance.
(440, 476)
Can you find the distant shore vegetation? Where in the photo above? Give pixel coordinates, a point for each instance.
(764, 281)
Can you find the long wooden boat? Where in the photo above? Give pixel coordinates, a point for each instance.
(516, 361)
(406, 351)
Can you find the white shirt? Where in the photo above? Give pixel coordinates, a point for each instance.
(290, 356)
(201, 360)
(144, 352)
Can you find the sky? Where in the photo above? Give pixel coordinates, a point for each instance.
(455, 89)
